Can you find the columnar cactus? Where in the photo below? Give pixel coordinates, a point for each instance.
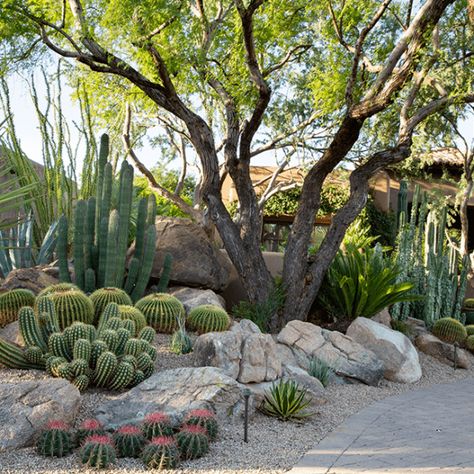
(109, 357)
(98, 452)
(205, 419)
(133, 314)
(55, 440)
(129, 441)
(88, 428)
(161, 453)
(193, 441)
(70, 304)
(161, 311)
(208, 318)
(103, 296)
(157, 424)
(449, 330)
(11, 302)
(100, 240)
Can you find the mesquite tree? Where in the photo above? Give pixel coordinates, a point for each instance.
(228, 70)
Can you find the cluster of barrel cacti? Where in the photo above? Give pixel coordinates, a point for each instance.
(157, 442)
(101, 235)
(112, 355)
(426, 259)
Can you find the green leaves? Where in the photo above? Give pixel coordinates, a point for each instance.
(286, 401)
(362, 283)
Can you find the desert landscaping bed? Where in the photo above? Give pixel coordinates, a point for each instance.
(274, 446)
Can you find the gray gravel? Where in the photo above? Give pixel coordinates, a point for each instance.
(274, 446)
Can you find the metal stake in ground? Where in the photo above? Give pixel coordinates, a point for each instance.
(246, 393)
(456, 345)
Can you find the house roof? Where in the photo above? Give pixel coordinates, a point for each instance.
(443, 157)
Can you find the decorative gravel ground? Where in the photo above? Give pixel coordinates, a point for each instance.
(273, 447)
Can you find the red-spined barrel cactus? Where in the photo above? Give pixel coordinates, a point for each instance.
(193, 441)
(129, 441)
(204, 418)
(98, 451)
(161, 453)
(157, 424)
(55, 439)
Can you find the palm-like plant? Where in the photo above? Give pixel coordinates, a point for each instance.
(286, 400)
(362, 283)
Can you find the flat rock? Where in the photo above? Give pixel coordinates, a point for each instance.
(196, 260)
(34, 279)
(444, 352)
(192, 297)
(344, 355)
(26, 406)
(175, 392)
(394, 349)
(243, 353)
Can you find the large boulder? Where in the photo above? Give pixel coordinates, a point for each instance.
(244, 353)
(344, 355)
(444, 352)
(192, 297)
(394, 349)
(34, 279)
(175, 392)
(26, 406)
(196, 260)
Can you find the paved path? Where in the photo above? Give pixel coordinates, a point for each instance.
(424, 431)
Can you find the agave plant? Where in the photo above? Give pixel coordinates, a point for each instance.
(286, 400)
(319, 369)
(362, 283)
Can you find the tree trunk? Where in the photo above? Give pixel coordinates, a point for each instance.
(464, 218)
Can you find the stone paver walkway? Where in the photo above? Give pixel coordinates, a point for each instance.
(424, 431)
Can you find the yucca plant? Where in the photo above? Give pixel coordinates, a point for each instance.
(362, 283)
(319, 369)
(286, 400)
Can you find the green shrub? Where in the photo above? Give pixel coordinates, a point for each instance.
(286, 400)
(401, 326)
(319, 369)
(362, 283)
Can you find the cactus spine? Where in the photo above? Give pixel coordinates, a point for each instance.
(55, 440)
(98, 452)
(11, 302)
(161, 453)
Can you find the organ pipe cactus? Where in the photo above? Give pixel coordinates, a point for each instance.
(161, 311)
(105, 357)
(431, 263)
(55, 440)
(208, 318)
(101, 232)
(11, 302)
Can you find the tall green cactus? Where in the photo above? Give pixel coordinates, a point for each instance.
(101, 234)
(431, 263)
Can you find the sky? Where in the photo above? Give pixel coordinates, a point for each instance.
(27, 124)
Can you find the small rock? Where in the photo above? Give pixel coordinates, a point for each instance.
(416, 326)
(34, 279)
(383, 317)
(11, 333)
(399, 356)
(27, 406)
(175, 392)
(444, 352)
(192, 297)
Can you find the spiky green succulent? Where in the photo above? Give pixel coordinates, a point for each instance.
(133, 314)
(88, 428)
(161, 453)
(204, 418)
(55, 440)
(449, 330)
(193, 441)
(98, 452)
(11, 302)
(70, 304)
(129, 441)
(157, 424)
(208, 318)
(108, 357)
(103, 296)
(161, 311)
(181, 342)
